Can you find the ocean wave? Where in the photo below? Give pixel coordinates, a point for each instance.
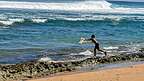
(124, 48)
(39, 20)
(45, 59)
(80, 5)
(87, 53)
(122, 10)
(5, 22)
(16, 20)
(12, 21)
(113, 18)
(90, 17)
(111, 48)
(94, 18)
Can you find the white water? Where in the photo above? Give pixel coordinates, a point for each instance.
(7, 22)
(3, 22)
(87, 53)
(84, 5)
(45, 59)
(17, 20)
(11, 21)
(39, 20)
(111, 51)
(114, 18)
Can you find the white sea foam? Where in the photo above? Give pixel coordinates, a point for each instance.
(45, 59)
(75, 19)
(97, 17)
(127, 10)
(6, 22)
(114, 18)
(17, 20)
(128, 49)
(111, 47)
(39, 20)
(10, 21)
(87, 52)
(81, 5)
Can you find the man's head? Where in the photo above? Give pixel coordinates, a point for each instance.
(92, 36)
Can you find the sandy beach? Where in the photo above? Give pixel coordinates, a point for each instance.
(131, 73)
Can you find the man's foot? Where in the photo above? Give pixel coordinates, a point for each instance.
(93, 56)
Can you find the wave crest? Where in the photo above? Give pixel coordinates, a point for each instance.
(39, 20)
(12, 21)
(3, 22)
(81, 5)
(112, 18)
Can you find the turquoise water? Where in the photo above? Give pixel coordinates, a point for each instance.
(26, 33)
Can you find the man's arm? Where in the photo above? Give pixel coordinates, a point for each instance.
(88, 39)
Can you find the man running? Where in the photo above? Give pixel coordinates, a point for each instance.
(97, 47)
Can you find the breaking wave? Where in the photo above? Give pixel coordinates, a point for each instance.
(39, 20)
(100, 6)
(10, 22)
(112, 18)
(80, 5)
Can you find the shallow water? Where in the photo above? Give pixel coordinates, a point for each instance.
(108, 66)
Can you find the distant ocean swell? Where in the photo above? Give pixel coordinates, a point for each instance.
(80, 5)
(100, 6)
(16, 21)
(93, 8)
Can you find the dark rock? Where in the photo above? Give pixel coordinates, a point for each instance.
(35, 68)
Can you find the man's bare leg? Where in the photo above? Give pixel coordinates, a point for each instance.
(94, 51)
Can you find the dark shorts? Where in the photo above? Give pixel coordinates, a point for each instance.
(97, 46)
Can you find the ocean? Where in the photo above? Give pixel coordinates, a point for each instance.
(35, 29)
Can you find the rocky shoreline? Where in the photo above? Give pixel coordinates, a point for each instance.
(35, 69)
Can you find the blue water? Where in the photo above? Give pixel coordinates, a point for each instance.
(26, 33)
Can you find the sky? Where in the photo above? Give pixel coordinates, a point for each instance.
(128, 0)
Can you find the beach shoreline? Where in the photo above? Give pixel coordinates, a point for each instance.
(130, 73)
(40, 69)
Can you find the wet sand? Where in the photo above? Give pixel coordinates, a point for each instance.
(130, 73)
